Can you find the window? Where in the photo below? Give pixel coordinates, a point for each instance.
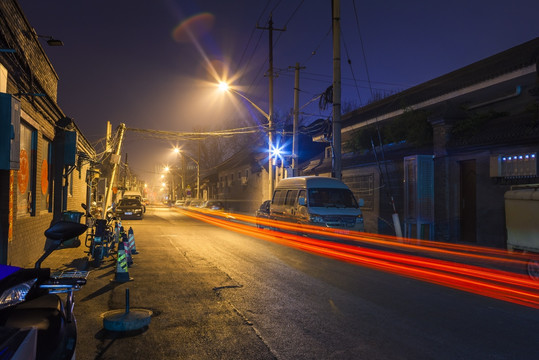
(291, 197)
(278, 197)
(46, 176)
(332, 197)
(363, 188)
(26, 179)
(302, 193)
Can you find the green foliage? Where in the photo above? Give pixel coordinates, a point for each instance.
(467, 127)
(411, 126)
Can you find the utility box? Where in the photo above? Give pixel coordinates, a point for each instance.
(70, 147)
(522, 217)
(10, 118)
(419, 195)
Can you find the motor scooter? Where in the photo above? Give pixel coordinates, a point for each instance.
(35, 323)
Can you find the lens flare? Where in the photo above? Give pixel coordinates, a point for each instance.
(193, 28)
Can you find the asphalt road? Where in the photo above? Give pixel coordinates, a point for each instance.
(217, 294)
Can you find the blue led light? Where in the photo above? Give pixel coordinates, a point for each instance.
(504, 158)
(527, 156)
(520, 157)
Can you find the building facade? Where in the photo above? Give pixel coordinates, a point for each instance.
(451, 148)
(45, 173)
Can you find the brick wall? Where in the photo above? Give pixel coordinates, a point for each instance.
(18, 34)
(30, 71)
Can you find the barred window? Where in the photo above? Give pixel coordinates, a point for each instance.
(363, 188)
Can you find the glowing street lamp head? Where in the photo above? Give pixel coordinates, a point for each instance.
(223, 86)
(166, 169)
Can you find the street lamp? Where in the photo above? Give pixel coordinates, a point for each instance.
(223, 86)
(179, 151)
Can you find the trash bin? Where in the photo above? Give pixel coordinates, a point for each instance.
(72, 216)
(521, 209)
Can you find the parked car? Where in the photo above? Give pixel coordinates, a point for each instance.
(195, 203)
(214, 205)
(263, 212)
(130, 209)
(179, 203)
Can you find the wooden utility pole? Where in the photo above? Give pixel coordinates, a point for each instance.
(270, 112)
(337, 166)
(296, 119)
(115, 159)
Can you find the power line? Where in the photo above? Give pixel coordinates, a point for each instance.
(177, 135)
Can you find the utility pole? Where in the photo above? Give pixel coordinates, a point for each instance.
(296, 120)
(270, 112)
(337, 166)
(115, 159)
(125, 173)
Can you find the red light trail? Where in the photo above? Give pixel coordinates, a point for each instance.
(485, 281)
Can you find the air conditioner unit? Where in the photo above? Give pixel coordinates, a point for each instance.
(70, 147)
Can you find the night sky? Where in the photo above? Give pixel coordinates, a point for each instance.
(132, 61)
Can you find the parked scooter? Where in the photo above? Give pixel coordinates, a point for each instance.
(100, 239)
(34, 321)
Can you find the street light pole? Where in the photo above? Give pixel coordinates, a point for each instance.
(198, 169)
(225, 87)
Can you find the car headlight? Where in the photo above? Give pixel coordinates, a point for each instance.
(138, 210)
(16, 294)
(317, 219)
(359, 219)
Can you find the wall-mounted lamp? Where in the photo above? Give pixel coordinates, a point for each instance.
(51, 41)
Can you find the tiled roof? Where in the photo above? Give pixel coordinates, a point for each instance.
(504, 62)
(523, 128)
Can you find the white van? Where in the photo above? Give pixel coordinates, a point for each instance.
(317, 200)
(132, 195)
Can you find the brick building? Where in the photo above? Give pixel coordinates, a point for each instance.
(43, 153)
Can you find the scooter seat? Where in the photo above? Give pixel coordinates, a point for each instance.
(43, 313)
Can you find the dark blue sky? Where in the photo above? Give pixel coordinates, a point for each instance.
(121, 63)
